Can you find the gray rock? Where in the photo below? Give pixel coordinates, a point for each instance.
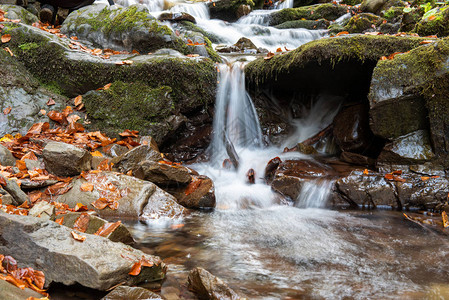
(131, 293)
(140, 199)
(196, 195)
(43, 210)
(412, 148)
(162, 174)
(208, 286)
(95, 263)
(14, 190)
(176, 17)
(372, 6)
(131, 159)
(19, 13)
(8, 291)
(6, 197)
(66, 160)
(6, 157)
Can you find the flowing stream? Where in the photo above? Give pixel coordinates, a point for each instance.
(264, 248)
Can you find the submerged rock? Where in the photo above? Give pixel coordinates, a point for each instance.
(162, 174)
(95, 263)
(176, 17)
(208, 286)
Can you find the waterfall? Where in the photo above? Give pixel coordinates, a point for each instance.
(197, 10)
(314, 193)
(235, 115)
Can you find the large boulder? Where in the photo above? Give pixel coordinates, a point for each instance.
(129, 197)
(363, 22)
(162, 173)
(64, 159)
(15, 12)
(229, 10)
(403, 104)
(130, 160)
(96, 262)
(208, 286)
(307, 24)
(328, 11)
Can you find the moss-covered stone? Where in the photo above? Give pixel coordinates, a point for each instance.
(410, 19)
(421, 73)
(393, 13)
(307, 24)
(359, 48)
(436, 23)
(19, 13)
(192, 27)
(328, 11)
(130, 28)
(351, 2)
(364, 21)
(228, 10)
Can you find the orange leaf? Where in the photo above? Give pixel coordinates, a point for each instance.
(21, 165)
(136, 268)
(431, 18)
(30, 155)
(82, 222)
(108, 228)
(7, 110)
(107, 86)
(424, 178)
(80, 207)
(51, 102)
(9, 51)
(342, 33)
(445, 219)
(43, 112)
(56, 116)
(78, 100)
(2, 181)
(365, 172)
(78, 237)
(129, 133)
(60, 221)
(37, 128)
(6, 38)
(269, 56)
(193, 185)
(278, 50)
(87, 187)
(100, 203)
(96, 154)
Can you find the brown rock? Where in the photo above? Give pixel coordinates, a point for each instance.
(64, 159)
(207, 286)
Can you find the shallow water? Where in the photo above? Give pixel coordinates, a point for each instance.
(284, 252)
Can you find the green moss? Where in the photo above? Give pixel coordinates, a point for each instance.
(228, 9)
(334, 50)
(52, 87)
(361, 22)
(213, 55)
(192, 27)
(328, 11)
(393, 13)
(351, 2)
(434, 24)
(28, 46)
(307, 24)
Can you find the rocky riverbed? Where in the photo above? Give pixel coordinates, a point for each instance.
(131, 162)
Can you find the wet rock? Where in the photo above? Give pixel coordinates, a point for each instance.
(412, 148)
(150, 141)
(243, 10)
(200, 193)
(222, 48)
(14, 190)
(363, 22)
(229, 10)
(162, 174)
(65, 260)
(94, 223)
(427, 169)
(434, 24)
(326, 11)
(291, 174)
(422, 194)
(307, 24)
(409, 20)
(270, 169)
(11, 292)
(357, 159)
(131, 293)
(372, 6)
(306, 149)
(245, 44)
(176, 17)
(114, 150)
(131, 159)
(43, 210)
(208, 286)
(6, 158)
(64, 159)
(139, 199)
(138, 30)
(15, 12)
(403, 104)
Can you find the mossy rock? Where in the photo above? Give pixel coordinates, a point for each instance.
(419, 75)
(363, 22)
(19, 13)
(300, 3)
(189, 26)
(228, 10)
(130, 28)
(307, 24)
(328, 11)
(359, 48)
(133, 106)
(410, 19)
(351, 2)
(435, 22)
(393, 13)
(193, 80)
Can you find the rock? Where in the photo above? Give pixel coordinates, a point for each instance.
(412, 148)
(120, 234)
(11, 292)
(150, 141)
(15, 12)
(357, 159)
(43, 210)
(222, 48)
(130, 28)
(14, 190)
(176, 17)
(64, 159)
(363, 22)
(243, 10)
(436, 23)
(208, 286)
(409, 20)
(162, 174)
(200, 193)
(229, 10)
(139, 199)
(291, 174)
(372, 6)
(6, 158)
(403, 104)
(65, 260)
(114, 150)
(351, 129)
(328, 11)
(131, 293)
(307, 24)
(427, 169)
(28, 184)
(306, 149)
(131, 159)
(6, 198)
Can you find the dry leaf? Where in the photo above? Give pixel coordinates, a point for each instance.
(6, 38)
(136, 268)
(78, 237)
(51, 102)
(60, 221)
(96, 154)
(82, 222)
(78, 100)
(9, 51)
(87, 187)
(7, 110)
(108, 228)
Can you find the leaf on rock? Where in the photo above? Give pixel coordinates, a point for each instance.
(6, 38)
(129, 133)
(37, 128)
(80, 207)
(30, 155)
(82, 222)
(21, 165)
(193, 185)
(60, 221)
(7, 110)
(108, 228)
(270, 55)
(51, 102)
(96, 154)
(56, 116)
(2, 181)
(78, 237)
(137, 267)
(100, 203)
(445, 219)
(87, 187)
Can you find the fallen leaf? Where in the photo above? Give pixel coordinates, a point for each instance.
(424, 178)
(365, 172)
(193, 185)
(78, 100)
(137, 267)
(100, 203)
(7, 110)
(2, 181)
(9, 51)
(51, 102)
(80, 207)
(56, 116)
(270, 55)
(6, 38)
(43, 112)
(60, 221)
(107, 228)
(176, 226)
(78, 237)
(445, 219)
(82, 222)
(73, 118)
(342, 33)
(87, 187)
(96, 154)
